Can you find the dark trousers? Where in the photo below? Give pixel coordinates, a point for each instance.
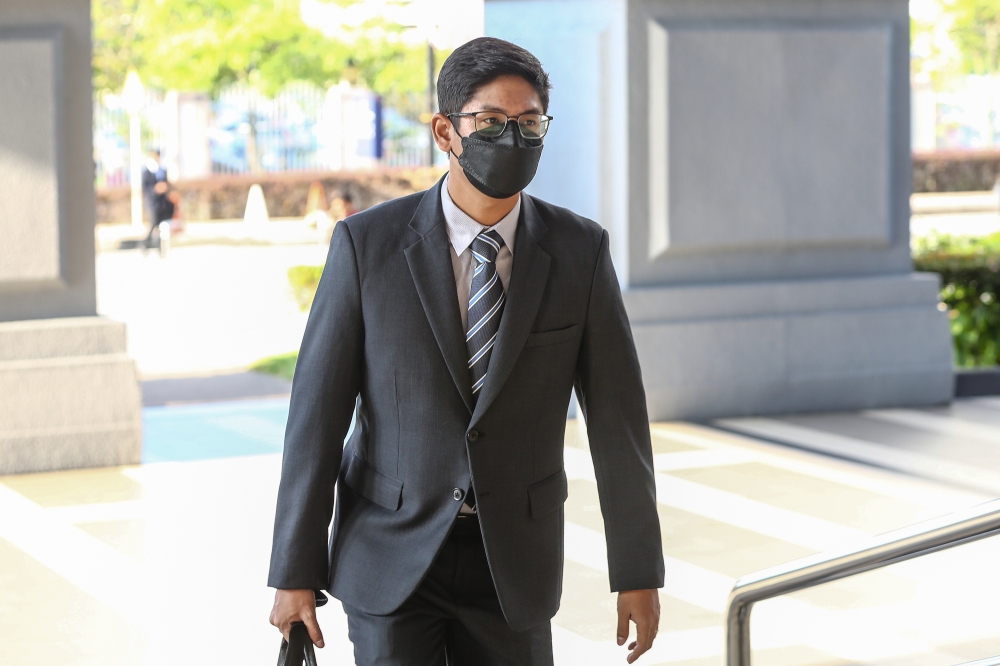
(452, 619)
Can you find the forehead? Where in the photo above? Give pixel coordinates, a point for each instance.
(510, 94)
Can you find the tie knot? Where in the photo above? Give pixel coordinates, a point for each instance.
(486, 246)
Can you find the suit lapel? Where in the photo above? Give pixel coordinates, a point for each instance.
(524, 295)
(429, 260)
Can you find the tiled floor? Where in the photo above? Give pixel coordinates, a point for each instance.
(958, 444)
(165, 563)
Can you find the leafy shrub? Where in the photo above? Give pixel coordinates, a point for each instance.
(970, 279)
(304, 280)
(282, 365)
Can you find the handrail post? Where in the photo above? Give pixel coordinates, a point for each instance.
(738, 631)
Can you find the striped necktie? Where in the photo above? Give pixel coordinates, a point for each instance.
(486, 303)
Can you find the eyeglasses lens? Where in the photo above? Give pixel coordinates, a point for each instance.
(489, 124)
(533, 125)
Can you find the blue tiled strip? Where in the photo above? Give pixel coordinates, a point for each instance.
(213, 430)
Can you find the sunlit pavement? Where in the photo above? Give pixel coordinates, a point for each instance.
(206, 308)
(165, 563)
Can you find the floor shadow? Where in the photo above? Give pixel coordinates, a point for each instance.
(214, 388)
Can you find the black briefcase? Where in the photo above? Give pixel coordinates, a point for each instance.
(298, 649)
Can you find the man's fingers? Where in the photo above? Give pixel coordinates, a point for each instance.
(645, 629)
(313, 627)
(292, 606)
(643, 608)
(623, 616)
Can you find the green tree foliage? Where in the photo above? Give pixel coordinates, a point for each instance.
(118, 36)
(970, 279)
(208, 44)
(976, 32)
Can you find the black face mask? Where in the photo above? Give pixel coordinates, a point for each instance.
(500, 167)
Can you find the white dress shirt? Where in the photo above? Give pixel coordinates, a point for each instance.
(462, 230)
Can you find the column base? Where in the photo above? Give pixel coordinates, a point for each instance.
(71, 396)
(780, 347)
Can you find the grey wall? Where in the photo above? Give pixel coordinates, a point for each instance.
(585, 162)
(46, 160)
(747, 140)
(782, 146)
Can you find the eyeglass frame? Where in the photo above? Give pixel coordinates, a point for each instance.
(509, 118)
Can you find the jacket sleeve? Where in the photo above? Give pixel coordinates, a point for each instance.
(327, 382)
(611, 396)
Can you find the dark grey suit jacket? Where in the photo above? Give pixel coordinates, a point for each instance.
(385, 334)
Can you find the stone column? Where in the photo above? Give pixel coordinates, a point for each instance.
(751, 161)
(69, 396)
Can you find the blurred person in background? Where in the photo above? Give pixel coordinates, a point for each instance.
(155, 195)
(166, 208)
(153, 174)
(457, 322)
(341, 207)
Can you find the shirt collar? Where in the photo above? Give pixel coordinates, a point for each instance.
(462, 229)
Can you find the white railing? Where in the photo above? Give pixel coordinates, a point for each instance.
(301, 128)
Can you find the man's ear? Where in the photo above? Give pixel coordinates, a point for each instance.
(442, 129)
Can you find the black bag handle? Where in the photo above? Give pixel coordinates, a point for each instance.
(298, 648)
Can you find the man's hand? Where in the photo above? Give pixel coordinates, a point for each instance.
(643, 608)
(297, 606)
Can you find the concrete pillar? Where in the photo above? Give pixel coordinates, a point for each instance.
(69, 396)
(751, 161)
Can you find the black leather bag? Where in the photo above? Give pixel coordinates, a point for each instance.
(298, 649)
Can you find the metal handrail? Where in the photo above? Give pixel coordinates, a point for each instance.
(958, 528)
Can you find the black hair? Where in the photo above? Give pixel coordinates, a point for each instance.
(482, 60)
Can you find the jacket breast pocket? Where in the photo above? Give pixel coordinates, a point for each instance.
(552, 337)
(372, 484)
(548, 494)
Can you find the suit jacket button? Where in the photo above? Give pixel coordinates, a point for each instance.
(473, 435)
(458, 494)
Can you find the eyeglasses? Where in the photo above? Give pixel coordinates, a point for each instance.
(491, 124)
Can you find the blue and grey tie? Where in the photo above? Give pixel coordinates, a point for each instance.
(486, 301)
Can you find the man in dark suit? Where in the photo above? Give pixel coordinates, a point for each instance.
(154, 178)
(155, 190)
(456, 323)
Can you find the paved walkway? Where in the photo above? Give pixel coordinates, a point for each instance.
(204, 309)
(213, 388)
(165, 563)
(957, 444)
